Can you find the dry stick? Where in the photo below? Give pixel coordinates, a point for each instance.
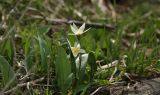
(110, 65)
(23, 84)
(65, 21)
(93, 93)
(44, 85)
(114, 72)
(79, 23)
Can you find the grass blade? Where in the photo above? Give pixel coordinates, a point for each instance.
(7, 72)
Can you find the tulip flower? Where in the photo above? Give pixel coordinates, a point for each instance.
(78, 31)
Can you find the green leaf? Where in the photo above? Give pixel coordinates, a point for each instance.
(43, 29)
(6, 50)
(68, 81)
(29, 53)
(63, 69)
(79, 89)
(8, 74)
(86, 88)
(93, 65)
(43, 51)
(82, 89)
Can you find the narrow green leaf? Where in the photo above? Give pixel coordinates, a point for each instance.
(63, 69)
(93, 65)
(43, 51)
(68, 81)
(8, 74)
(29, 54)
(43, 29)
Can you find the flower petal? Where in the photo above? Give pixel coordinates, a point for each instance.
(74, 51)
(84, 58)
(71, 34)
(82, 27)
(76, 44)
(73, 29)
(82, 51)
(86, 30)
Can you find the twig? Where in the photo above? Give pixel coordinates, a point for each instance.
(22, 85)
(110, 65)
(137, 34)
(96, 91)
(65, 21)
(79, 23)
(114, 72)
(44, 85)
(25, 76)
(126, 43)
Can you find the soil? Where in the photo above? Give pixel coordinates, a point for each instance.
(142, 87)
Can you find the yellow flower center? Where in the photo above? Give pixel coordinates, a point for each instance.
(75, 50)
(79, 32)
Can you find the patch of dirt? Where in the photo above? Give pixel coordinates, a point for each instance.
(143, 87)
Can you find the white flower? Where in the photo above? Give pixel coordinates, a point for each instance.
(83, 59)
(76, 49)
(77, 31)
